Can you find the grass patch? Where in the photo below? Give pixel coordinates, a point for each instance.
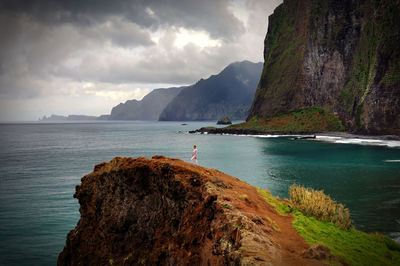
(282, 208)
(310, 119)
(353, 246)
(316, 203)
(273, 224)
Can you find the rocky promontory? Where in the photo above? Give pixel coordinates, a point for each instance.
(164, 211)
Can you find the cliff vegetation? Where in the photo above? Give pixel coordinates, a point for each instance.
(305, 120)
(340, 55)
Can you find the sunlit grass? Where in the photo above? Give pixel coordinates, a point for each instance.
(316, 203)
(353, 246)
(333, 228)
(282, 208)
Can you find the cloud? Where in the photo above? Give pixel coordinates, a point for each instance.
(53, 49)
(147, 14)
(119, 32)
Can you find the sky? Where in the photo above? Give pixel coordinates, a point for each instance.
(84, 57)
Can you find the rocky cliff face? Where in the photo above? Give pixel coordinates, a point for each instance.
(149, 108)
(164, 211)
(229, 93)
(342, 55)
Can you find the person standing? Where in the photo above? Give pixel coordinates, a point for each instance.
(194, 156)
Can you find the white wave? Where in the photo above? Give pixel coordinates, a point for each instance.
(350, 139)
(360, 141)
(327, 137)
(269, 136)
(395, 236)
(392, 161)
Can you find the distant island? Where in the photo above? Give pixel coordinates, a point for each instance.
(56, 118)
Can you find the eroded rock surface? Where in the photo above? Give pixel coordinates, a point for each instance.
(165, 211)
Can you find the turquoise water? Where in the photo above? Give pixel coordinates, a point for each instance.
(40, 165)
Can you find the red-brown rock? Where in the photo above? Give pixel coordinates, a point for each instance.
(164, 211)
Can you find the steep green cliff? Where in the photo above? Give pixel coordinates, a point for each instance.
(341, 55)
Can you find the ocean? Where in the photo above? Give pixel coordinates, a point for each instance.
(41, 163)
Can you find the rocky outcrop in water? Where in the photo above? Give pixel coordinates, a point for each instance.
(224, 121)
(164, 211)
(341, 55)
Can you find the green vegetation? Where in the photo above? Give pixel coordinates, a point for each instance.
(227, 206)
(316, 203)
(375, 54)
(350, 245)
(328, 223)
(310, 119)
(353, 246)
(273, 224)
(282, 208)
(284, 52)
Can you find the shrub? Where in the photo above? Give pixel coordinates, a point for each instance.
(316, 203)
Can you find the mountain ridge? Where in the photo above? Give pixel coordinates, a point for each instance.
(228, 93)
(149, 108)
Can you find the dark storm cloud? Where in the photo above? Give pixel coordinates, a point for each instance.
(54, 53)
(40, 36)
(210, 15)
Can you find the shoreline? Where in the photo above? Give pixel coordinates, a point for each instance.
(392, 141)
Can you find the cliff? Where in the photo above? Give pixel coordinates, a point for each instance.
(149, 108)
(163, 211)
(341, 55)
(228, 93)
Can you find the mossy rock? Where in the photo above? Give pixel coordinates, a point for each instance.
(224, 121)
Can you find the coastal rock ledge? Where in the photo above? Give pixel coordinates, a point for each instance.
(164, 211)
